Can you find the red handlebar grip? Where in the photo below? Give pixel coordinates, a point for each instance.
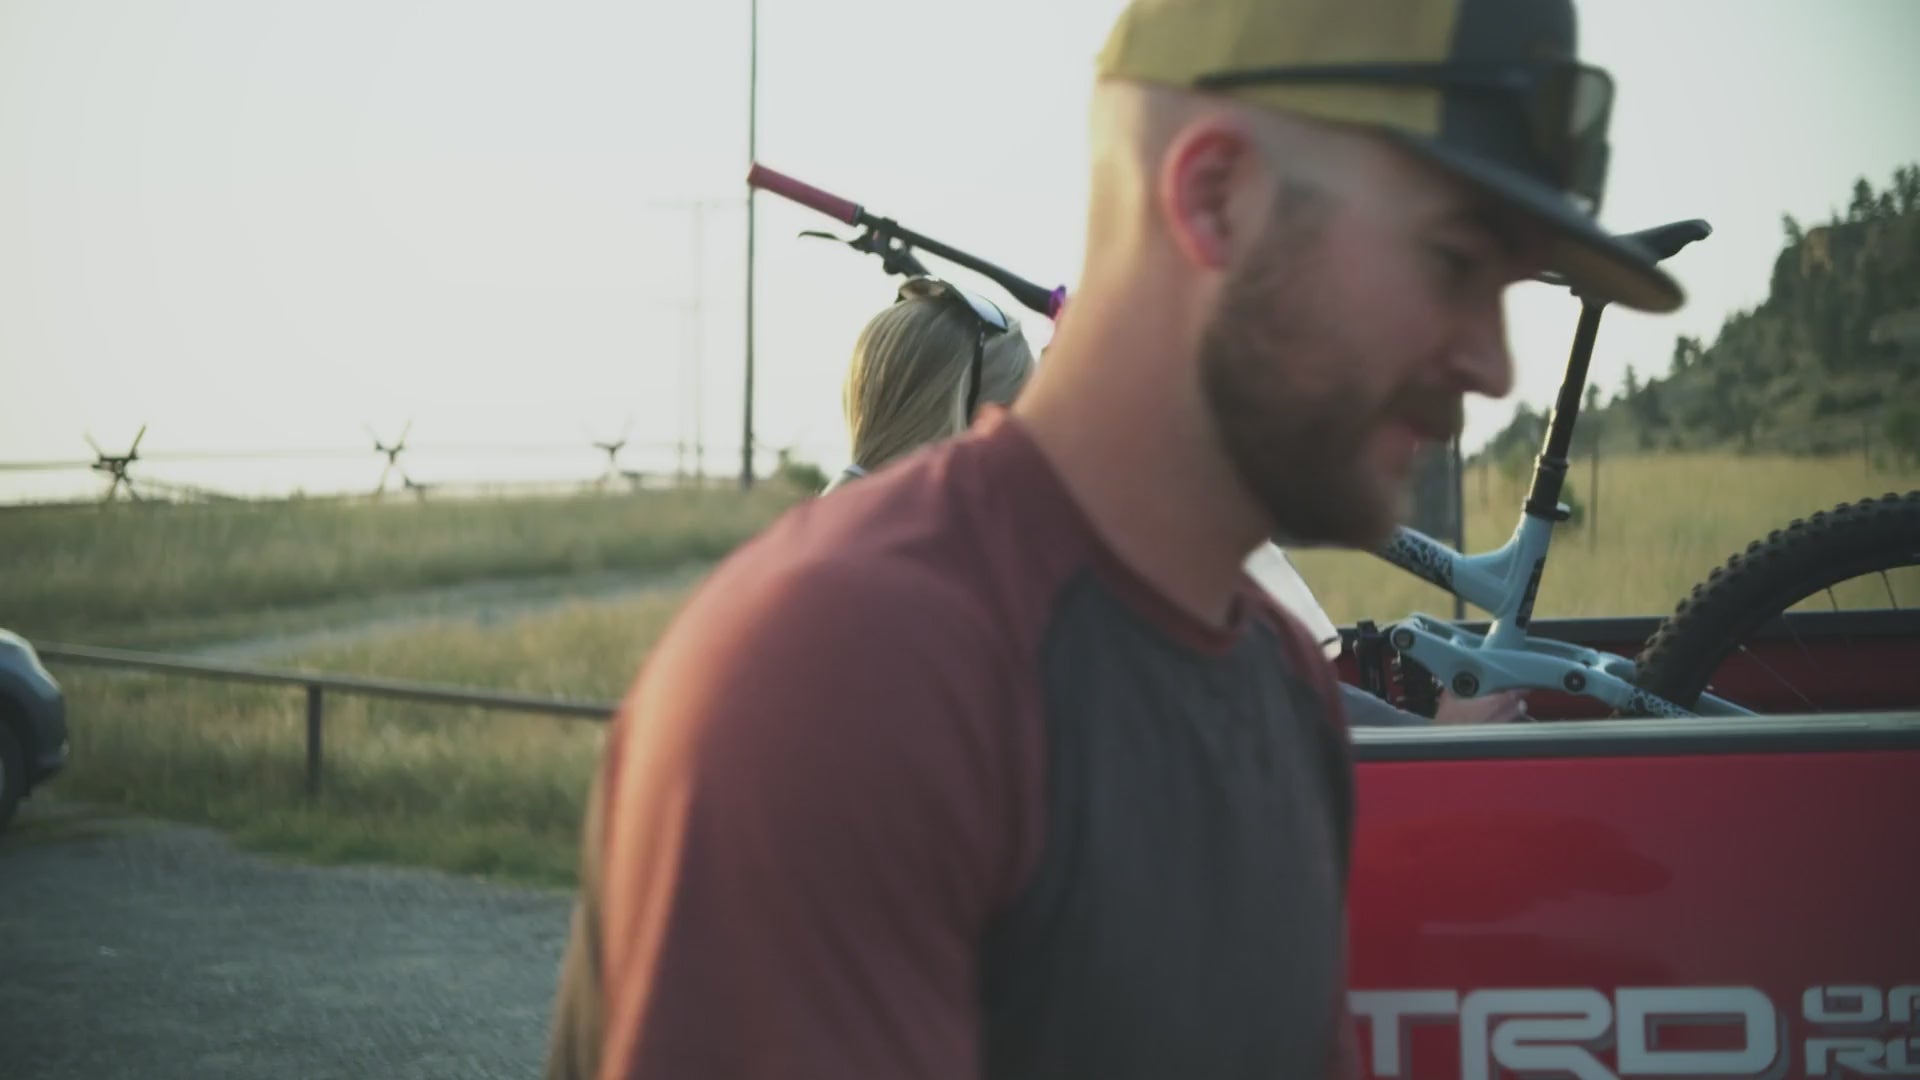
(805, 194)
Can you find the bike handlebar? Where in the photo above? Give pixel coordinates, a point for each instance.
(806, 195)
(1039, 298)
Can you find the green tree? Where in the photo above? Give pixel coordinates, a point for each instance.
(1795, 235)
(804, 475)
(1903, 431)
(1647, 407)
(1724, 406)
(1826, 322)
(1591, 420)
(1861, 208)
(1906, 188)
(1686, 352)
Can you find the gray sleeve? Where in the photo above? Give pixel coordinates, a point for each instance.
(1366, 710)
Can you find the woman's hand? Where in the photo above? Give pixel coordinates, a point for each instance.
(1502, 708)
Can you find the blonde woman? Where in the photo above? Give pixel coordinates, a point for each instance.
(923, 367)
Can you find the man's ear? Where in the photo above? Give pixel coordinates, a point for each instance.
(1200, 173)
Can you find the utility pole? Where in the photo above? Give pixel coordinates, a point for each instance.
(687, 313)
(753, 134)
(699, 340)
(696, 304)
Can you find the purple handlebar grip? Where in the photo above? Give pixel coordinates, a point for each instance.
(1057, 303)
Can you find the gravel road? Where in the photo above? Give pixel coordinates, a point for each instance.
(136, 949)
(479, 602)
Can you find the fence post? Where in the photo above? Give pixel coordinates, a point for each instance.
(1593, 496)
(1433, 492)
(1458, 490)
(314, 715)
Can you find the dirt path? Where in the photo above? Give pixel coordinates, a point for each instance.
(132, 949)
(479, 601)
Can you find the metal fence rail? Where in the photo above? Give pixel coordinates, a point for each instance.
(1618, 633)
(317, 684)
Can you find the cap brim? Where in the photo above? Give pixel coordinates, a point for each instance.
(1596, 263)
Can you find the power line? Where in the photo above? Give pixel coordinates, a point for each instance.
(696, 305)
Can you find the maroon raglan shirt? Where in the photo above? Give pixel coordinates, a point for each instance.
(924, 782)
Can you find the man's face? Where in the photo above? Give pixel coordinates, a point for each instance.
(1346, 341)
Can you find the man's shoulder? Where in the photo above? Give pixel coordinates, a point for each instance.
(900, 534)
(950, 558)
(832, 625)
(953, 524)
(885, 567)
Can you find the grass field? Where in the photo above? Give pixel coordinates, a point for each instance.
(497, 793)
(1662, 524)
(145, 573)
(464, 790)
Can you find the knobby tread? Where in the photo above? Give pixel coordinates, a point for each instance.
(1752, 587)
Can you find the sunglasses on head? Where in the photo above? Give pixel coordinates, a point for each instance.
(992, 321)
(1567, 104)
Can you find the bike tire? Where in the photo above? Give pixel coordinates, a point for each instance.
(1760, 583)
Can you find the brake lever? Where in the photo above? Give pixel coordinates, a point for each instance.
(895, 257)
(901, 260)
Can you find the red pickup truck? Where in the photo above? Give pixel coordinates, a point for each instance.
(1591, 898)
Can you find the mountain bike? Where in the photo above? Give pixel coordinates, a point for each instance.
(1753, 594)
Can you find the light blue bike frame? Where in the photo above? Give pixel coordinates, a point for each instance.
(1504, 583)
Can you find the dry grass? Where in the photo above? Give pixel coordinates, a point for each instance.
(498, 793)
(464, 790)
(1662, 524)
(134, 572)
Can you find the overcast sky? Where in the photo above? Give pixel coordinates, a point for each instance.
(259, 224)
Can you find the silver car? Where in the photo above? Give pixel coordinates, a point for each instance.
(33, 723)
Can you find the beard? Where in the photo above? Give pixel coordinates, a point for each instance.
(1290, 400)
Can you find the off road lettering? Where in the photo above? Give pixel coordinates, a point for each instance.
(1863, 1056)
(1847, 1031)
(1841, 1005)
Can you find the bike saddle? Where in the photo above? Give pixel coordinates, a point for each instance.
(1665, 241)
(1662, 242)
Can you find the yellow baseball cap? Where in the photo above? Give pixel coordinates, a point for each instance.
(1489, 90)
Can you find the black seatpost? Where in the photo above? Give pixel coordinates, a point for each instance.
(1550, 469)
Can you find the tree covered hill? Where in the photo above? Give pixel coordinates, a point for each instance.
(1830, 358)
